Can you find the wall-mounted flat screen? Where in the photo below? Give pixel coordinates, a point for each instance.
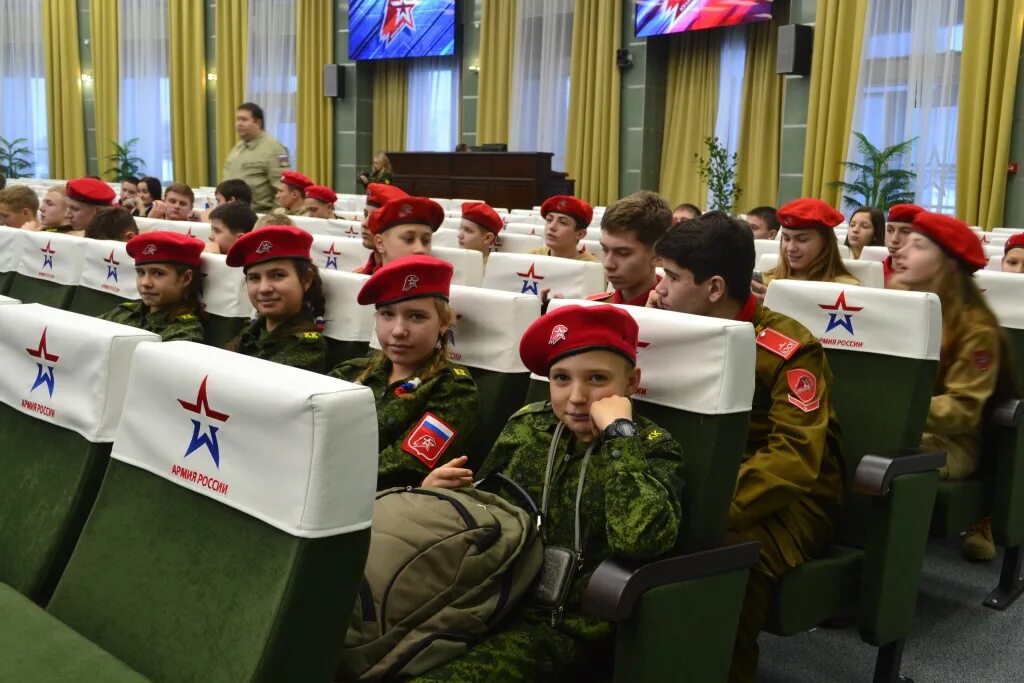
(658, 17)
(392, 29)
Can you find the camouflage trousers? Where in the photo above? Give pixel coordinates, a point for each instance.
(526, 649)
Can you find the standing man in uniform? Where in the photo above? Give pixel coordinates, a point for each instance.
(258, 159)
(790, 485)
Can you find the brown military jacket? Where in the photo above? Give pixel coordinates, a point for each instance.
(793, 455)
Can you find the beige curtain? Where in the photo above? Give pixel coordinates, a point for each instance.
(838, 38)
(691, 103)
(592, 138)
(65, 122)
(757, 158)
(988, 85)
(187, 42)
(232, 29)
(314, 153)
(390, 103)
(104, 36)
(497, 52)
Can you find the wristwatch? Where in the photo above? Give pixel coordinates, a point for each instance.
(619, 427)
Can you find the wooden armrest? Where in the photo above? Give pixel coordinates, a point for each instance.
(616, 584)
(875, 473)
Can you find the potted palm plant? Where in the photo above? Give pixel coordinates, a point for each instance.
(125, 163)
(15, 157)
(877, 181)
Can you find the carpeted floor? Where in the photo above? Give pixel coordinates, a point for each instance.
(954, 637)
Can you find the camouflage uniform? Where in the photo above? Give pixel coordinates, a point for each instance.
(296, 342)
(179, 327)
(631, 507)
(790, 484)
(451, 396)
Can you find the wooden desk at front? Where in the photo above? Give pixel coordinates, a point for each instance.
(511, 180)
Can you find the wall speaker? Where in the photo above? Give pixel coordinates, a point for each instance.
(795, 44)
(623, 59)
(334, 81)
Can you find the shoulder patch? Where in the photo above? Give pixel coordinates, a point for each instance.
(601, 296)
(429, 439)
(308, 336)
(187, 317)
(778, 343)
(538, 407)
(461, 373)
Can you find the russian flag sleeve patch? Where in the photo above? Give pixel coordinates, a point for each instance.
(429, 439)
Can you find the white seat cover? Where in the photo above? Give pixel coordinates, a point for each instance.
(295, 449)
(337, 253)
(593, 246)
(109, 268)
(1006, 231)
(11, 246)
(995, 263)
(762, 247)
(524, 229)
(66, 368)
(344, 319)
(8, 300)
(201, 231)
(452, 222)
(515, 243)
(529, 274)
(446, 237)
(224, 291)
(992, 250)
(690, 362)
(864, 319)
(468, 263)
(873, 253)
(488, 327)
(870, 273)
(594, 233)
(52, 256)
(1005, 294)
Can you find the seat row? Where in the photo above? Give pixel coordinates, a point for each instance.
(697, 382)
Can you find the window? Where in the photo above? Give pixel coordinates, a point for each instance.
(144, 101)
(908, 87)
(271, 80)
(432, 121)
(732, 64)
(23, 81)
(539, 119)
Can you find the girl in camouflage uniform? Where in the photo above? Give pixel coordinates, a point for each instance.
(168, 280)
(284, 288)
(426, 405)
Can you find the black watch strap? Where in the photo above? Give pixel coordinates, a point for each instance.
(620, 427)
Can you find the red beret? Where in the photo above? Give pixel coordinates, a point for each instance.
(483, 215)
(952, 235)
(574, 329)
(379, 194)
(903, 213)
(406, 211)
(296, 180)
(269, 243)
(322, 193)
(90, 191)
(409, 277)
(808, 212)
(570, 206)
(1015, 241)
(162, 246)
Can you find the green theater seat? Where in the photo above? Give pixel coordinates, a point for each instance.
(10, 253)
(48, 269)
(108, 278)
(61, 394)
(218, 549)
(225, 300)
(348, 326)
(882, 347)
(485, 339)
(676, 618)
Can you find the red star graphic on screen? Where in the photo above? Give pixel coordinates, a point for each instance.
(397, 15)
(528, 286)
(679, 6)
(838, 319)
